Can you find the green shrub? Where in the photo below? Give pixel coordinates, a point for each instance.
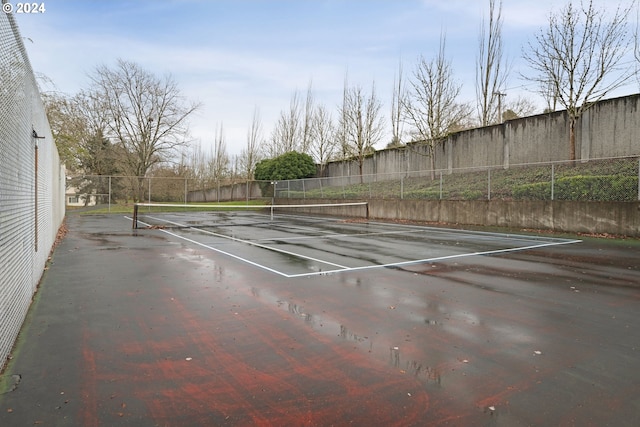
(535, 191)
(472, 195)
(582, 188)
(291, 165)
(424, 194)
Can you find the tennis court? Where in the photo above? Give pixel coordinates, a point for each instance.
(293, 245)
(244, 319)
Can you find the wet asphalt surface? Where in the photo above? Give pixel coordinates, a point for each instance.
(146, 328)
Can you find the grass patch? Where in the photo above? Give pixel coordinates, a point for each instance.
(602, 180)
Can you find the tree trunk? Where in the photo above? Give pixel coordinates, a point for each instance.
(432, 161)
(572, 138)
(141, 190)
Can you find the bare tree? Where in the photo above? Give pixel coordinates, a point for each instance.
(198, 170)
(219, 161)
(547, 89)
(362, 123)
(341, 128)
(307, 121)
(491, 68)
(519, 107)
(579, 55)
(397, 97)
(636, 43)
(250, 155)
(286, 134)
(431, 108)
(209, 168)
(323, 137)
(147, 115)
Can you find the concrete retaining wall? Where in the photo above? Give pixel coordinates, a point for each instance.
(608, 129)
(619, 218)
(241, 191)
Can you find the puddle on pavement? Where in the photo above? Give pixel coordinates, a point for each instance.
(419, 370)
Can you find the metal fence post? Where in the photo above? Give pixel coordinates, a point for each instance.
(553, 181)
(639, 179)
(109, 195)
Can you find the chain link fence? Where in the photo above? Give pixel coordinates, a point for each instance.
(103, 190)
(614, 179)
(31, 185)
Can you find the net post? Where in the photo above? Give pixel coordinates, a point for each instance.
(366, 211)
(271, 212)
(134, 224)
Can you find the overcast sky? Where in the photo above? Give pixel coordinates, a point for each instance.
(234, 55)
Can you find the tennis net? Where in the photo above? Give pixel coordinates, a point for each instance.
(168, 215)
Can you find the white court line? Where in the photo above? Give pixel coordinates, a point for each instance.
(248, 242)
(478, 235)
(195, 242)
(446, 257)
(348, 269)
(489, 234)
(329, 235)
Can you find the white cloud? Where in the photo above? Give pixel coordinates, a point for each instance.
(234, 58)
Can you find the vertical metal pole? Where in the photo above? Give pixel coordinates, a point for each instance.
(134, 224)
(273, 198)
(553, 180)
(36, 197)
(109, 195)
(489, 184)
(304, 194)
